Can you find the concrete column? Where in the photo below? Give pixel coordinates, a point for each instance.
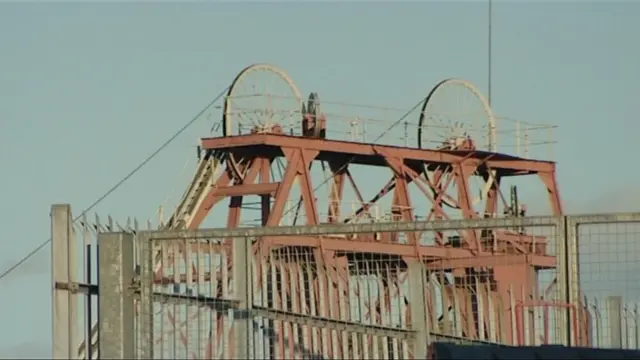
(614, 312)
(116, 300)
(242, 280)
(568, 279)
(147, 267)
(418, 305)
(65, 272)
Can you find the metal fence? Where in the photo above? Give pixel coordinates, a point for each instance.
(216, 293)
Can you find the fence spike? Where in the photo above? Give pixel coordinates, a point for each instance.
(97, 225)
(86, 230)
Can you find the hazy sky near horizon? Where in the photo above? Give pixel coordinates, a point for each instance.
(88, 90)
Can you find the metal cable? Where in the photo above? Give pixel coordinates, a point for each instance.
(162, 147)
(121, 181)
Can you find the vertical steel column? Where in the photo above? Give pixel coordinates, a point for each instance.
(64, 270)
(614, 312)
(116, 300)
(571, 271)
(418, 305)
(242, 280)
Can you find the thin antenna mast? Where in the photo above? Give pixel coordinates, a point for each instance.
(489, 50)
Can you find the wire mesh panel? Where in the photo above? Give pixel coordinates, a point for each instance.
(496, 284)
(192, 298)
(606, 268)
(370, 290)
(501, 288)
(381, 290)
(339, 305)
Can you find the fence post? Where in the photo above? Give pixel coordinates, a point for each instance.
(146, 268)
(570, 283)
(64, 270)
(418, 306)
(242, 280)
(115, 300)
(614, 310)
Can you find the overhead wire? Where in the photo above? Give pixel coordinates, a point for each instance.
(121, 181)
(160, 210)
(161, 148)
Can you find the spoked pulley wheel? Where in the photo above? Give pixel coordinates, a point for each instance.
(456, 116)
(262, 98)
(456, 109)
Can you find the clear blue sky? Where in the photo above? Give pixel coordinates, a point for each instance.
(87, 91)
